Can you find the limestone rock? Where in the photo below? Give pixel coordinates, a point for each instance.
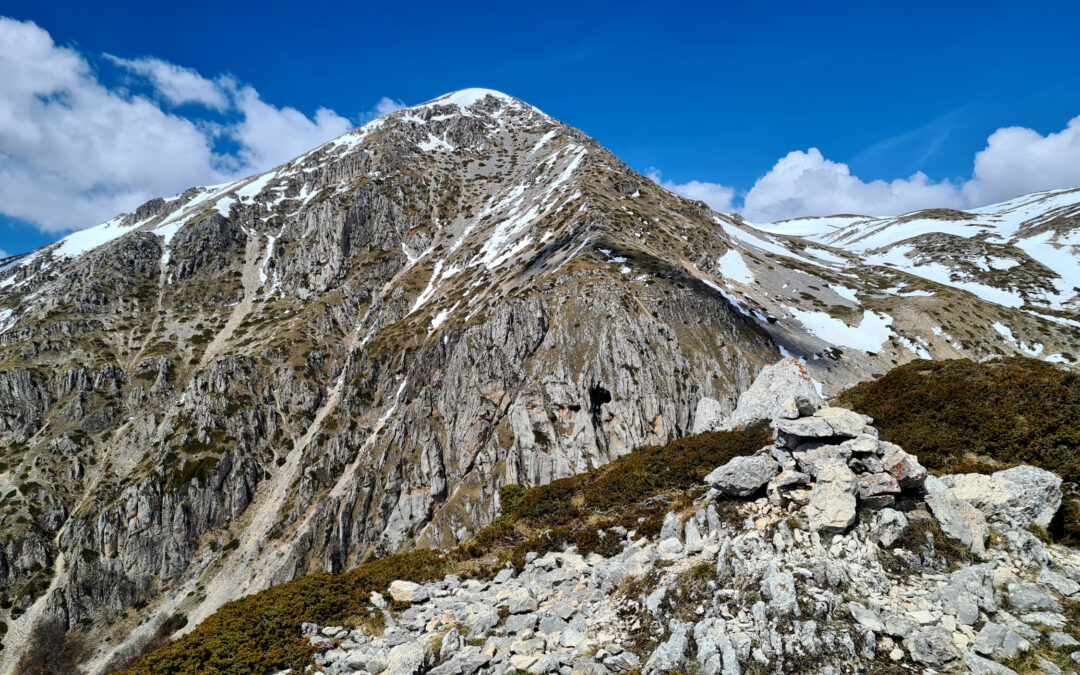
(902, 466)
(709, 415)
(1025, 599)
(825, 423)
(866, 617)
(1020, 496)
(877, 490)
(832, 499)
(780, 488)
(931, 646)
(407, 591)
(779, 587)
(671, 655)
(981, 666)
(743, 476)
(1058, 583)
(773, 386)
(888, 525)
(958, 519)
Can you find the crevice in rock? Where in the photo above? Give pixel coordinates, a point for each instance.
(598, 396)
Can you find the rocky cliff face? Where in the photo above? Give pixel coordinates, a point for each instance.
(349, 354)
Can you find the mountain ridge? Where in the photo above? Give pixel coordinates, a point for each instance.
(348, 355)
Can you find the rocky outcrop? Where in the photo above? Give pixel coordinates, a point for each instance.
(784, 388)
(1018, 497)
(744, 476)
(782, 587)
(959, 519)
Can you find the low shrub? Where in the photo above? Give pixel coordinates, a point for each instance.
(260, 633)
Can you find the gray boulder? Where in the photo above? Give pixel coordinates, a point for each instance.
(931, 646)
(1027, 599)
(1059, 640)
(744, 476)
(774, 385)
(809, 455)
(779, 587)
(780, 488)
(1058, 583)
(825, 423)
(407, 591)
(888, 525)
(866, 617)
(407, 658)
(671, 655)
(981, 666)
(958, 519)
(521, 601)
(1018, 497)
(877, 490)
(1027, 547)
(902, 466)
(832, 499)
(969, 590)
(1048, 667)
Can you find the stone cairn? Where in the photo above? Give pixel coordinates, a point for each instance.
(829, 461)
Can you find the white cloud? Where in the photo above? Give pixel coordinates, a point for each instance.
(75, 152)
(1016, 161)
(807, 184)
(270, 135)
(179, 85)
(719, 197)
(3, 253)
(386, 105)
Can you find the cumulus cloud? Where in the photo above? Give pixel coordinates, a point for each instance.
(75, 151)
(72, 152)
(808, 184)
(384, 106)
(269, 136)
(177, 84)
(1016, 161)
(719, 197)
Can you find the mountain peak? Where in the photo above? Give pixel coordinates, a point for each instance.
(467, 97)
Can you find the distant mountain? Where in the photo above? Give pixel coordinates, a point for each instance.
(1023, 253)
(350, 354)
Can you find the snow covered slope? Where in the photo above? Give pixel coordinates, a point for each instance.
(1023, 253)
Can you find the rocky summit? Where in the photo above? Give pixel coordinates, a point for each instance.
(351, 354)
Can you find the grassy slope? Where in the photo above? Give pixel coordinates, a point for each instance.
(962, 416)
(261, 633)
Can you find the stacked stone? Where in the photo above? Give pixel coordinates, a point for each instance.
(827, 461)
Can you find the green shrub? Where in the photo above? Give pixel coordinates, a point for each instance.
(510, 497)
(260, 633)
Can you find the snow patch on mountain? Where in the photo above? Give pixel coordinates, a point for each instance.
(871, 333)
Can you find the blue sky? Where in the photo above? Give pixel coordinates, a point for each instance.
(721, 101)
